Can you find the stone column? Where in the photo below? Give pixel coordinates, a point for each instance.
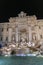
(4, 34)
(19, 38)
(27, 37)
(37, 33)
(16, 34)
(10, 34)
(30, 33)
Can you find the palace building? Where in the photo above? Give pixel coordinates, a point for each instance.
(21, 28)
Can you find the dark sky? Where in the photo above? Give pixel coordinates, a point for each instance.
(10, 8)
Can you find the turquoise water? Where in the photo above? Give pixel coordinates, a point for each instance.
(13, 60)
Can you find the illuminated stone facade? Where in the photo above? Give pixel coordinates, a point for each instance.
(21, 28)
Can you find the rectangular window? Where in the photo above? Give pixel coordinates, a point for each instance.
(7, 29)
(41, 36)
(2, 29)
(7, 39)
(1, 39)
(39, 27)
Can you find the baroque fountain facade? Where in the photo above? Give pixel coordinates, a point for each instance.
(24, 34)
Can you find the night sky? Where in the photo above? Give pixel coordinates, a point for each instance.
(10, 8)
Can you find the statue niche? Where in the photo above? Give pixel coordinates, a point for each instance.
(23, 35)
(13, 38)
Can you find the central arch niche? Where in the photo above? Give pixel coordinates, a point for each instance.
(23, 35)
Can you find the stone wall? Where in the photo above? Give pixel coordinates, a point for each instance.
(22, 27)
